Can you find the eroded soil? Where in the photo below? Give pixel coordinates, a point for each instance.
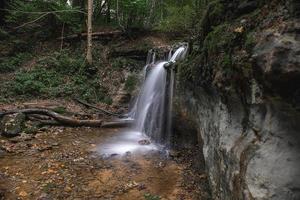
(64, 163)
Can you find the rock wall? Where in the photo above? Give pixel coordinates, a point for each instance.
(241, 90)
(257, 161)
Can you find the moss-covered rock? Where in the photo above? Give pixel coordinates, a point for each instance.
(12, 125)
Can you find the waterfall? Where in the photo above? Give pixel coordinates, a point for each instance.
(153, 107)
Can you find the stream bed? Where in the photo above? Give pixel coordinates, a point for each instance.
(85, 163)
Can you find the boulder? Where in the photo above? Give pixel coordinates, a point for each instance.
(277, 59)
(11, 125)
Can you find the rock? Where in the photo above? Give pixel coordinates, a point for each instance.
(11, 125)
(2, 196)
(174, 154)
(44, 196)
(23, 137)
(122, 97)
(247, 7)
(277, 59)
(259, 160)
(144, 142)
(293, 7)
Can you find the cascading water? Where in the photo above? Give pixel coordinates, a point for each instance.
(151, 110)
(153, 107)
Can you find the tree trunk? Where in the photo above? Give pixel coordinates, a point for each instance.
(3, 5)
(89, 57)
(108, 12)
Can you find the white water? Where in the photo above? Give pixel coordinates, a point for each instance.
(153, 108)
(151, 111)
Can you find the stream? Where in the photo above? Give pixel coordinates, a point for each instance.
(66, 163)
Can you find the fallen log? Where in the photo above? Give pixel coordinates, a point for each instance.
(117, 124)
(137, 54)
(63, 120)
(95, 35)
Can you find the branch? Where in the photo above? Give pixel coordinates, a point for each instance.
(42, 12)
(63, 120)
(96, 108)
(40, 17)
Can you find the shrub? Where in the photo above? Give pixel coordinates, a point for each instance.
(180, 19)
(10, 64)
(36, 82)
(60, 75)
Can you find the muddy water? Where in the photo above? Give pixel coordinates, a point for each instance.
(84, 164)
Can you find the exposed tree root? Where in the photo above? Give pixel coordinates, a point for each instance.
(60, 119)
(49, 117)
(117, 124)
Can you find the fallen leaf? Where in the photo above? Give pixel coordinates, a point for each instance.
(23, 194)
(239, 29)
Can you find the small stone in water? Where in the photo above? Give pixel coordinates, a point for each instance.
(144, 142)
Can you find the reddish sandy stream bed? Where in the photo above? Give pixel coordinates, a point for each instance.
(61, 163)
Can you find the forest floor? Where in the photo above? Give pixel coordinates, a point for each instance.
(69, 163)
(66, 163)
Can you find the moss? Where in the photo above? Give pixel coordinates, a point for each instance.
(250, 41)
(220, 39)
(59, 109)
(216, 10)
(149, 196)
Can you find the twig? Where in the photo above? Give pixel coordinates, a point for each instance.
(40, 17)
(96, 108)
(62, 36)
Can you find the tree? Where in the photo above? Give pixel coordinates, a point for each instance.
(89, 57)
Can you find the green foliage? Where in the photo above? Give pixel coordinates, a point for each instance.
(63, 62)
(3, 34)
(132, 12)
(226, 62)
(59, 109)
(219, 39)
(125, 63)
(49, 15)
(149, 196)
(36, 82)
(179, 19)
(131, 83)
(59, 75)
(217, 10)
(10, 64)
(250, 41)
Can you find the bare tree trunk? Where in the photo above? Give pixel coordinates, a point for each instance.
(108, 12)
(89, 57)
